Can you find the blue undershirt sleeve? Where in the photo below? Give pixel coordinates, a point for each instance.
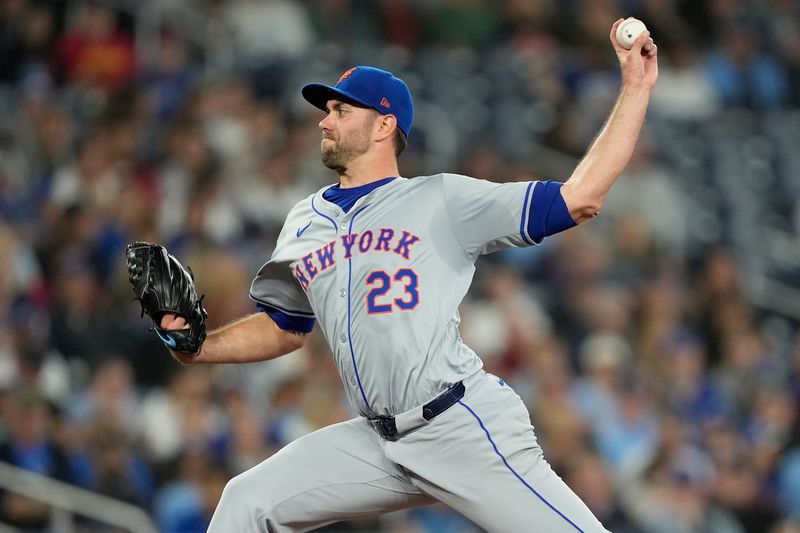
(286, 321)
(548, 211)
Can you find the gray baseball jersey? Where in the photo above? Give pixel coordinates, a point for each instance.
(385, 279)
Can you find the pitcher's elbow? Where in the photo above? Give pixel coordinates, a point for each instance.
(587, 210)
(583, 203)
(297, 340)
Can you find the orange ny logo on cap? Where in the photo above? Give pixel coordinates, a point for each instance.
(346, 74)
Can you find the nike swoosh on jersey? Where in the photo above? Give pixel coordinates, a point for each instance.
(303, 229)
(169, 341)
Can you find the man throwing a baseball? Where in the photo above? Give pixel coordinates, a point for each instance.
(382, 262)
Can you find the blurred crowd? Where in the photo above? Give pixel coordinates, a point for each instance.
(660, 388)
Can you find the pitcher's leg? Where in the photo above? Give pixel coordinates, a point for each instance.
(488, 466)
(336, 473)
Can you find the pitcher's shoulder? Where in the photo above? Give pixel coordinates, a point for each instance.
(305, 206)
(424, 183)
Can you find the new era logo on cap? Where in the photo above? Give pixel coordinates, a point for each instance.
(369, 87)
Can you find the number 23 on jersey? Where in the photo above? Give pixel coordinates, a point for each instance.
(378, 302)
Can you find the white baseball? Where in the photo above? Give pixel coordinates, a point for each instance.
(628, 31)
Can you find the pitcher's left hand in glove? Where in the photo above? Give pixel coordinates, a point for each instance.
(164, 287)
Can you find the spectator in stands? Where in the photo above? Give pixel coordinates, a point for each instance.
(685, 90)
(742, 74)
(95, 53)
(29, 442)
(590, 477)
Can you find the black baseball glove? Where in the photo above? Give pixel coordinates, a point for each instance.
(162, 285)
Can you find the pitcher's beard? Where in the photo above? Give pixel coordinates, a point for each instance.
(336, 159)
(339, 156)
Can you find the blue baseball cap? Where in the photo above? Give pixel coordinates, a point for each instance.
(369, 87)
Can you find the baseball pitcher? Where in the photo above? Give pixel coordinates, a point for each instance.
(382, 263)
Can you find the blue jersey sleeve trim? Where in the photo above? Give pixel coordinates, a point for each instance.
(548, 211)
(301, 314)
(523, 226)
(288, 322)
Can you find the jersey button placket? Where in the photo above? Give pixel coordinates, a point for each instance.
(346, 303)
(341, 281)
(343, 292)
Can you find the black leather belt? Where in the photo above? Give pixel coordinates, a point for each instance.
(385, 425)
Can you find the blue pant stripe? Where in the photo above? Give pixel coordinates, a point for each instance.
(489, 436)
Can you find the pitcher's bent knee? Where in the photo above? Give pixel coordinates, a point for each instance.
(246, 505)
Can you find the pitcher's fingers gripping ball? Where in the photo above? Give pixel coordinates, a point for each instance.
(162, 285)
(628, 31)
